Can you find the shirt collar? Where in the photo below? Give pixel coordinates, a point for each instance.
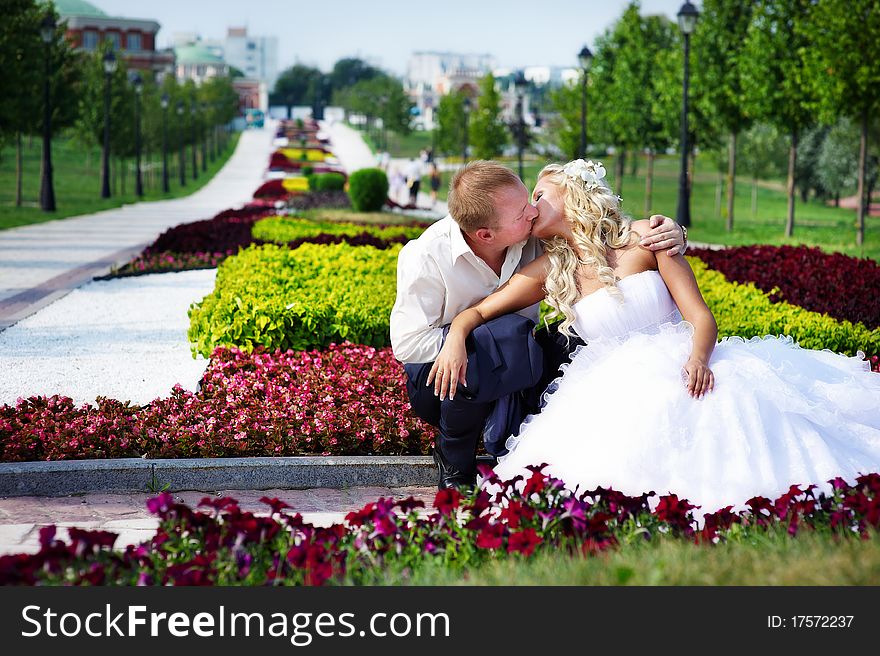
(458, 244)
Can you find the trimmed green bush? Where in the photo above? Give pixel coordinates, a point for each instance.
(746, 311)
(307, 171)
(300, 299)
(328, 182)
(282, 229)
(368, 190)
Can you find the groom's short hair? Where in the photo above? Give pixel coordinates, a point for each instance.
(471, 193)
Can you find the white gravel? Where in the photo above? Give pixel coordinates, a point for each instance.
(123, 339)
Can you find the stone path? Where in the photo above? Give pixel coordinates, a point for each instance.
(43, 262)
(126, 514)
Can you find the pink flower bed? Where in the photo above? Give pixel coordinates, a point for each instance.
(841, 286)
(346, 400)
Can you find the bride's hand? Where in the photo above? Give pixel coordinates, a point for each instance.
(449, 369)
(700, 378)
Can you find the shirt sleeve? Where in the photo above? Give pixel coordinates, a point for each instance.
(416, 333)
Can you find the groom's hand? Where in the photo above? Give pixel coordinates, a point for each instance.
(665, 234)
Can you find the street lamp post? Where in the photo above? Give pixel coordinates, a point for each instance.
(687, 22)
(138, 84)
(466, 106)
(164, 102)
(109, 69)
(181, 162)
(203, 107)
(520, 83)
(586, 58)
(47, 187)
(192, 116)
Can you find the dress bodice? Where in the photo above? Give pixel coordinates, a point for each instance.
(647, 304)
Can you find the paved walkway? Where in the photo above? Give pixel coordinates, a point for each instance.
(126, 514)
(43, 262)
(354, 154)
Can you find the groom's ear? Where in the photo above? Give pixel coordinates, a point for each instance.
(484, 234)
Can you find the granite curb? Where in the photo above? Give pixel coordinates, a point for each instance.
(60, 478)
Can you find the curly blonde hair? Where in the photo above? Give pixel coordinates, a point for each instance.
(597, 225)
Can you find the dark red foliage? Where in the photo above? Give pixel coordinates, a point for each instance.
(843, 287)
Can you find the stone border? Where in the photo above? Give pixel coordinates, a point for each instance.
(64, 477)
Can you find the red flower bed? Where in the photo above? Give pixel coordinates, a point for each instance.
(219, 544)
(346, 400)
(841, 286)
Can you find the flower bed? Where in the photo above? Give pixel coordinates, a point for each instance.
(282, 230)
(844, 287)
(346, 400)
(309, 297)
(315, 199)
(744, 310)
(223, 545)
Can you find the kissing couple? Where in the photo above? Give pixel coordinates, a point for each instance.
(648, 399)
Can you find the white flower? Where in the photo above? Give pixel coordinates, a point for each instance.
(591, 173)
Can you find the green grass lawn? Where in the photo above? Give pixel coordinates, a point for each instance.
(777, 559)
(816, 224)
(77, 178)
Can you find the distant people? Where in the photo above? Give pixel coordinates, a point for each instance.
(435, 183)
(396, 184)
(414, 180)
(429, 156)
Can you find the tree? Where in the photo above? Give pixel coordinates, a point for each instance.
(349, 71)
(22, 54)
(843, 70)
(566, 124)
(487, 131)
(658, 118)
(450, 123)
(718, 46)
(296, 86)
(762, 155)
(772, 76)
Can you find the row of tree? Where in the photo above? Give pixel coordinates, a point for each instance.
(352, 84)
(795, 65)
(78, 84)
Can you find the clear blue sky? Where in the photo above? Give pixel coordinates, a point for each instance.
(385, 32)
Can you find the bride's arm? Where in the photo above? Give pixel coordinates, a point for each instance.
(680, 280)
(524, 288)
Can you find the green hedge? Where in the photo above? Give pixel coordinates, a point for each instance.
(368, 190)
(282, 229)
(746, 311)
(327, 182)
(300, 299)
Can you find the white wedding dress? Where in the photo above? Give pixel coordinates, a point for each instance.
(621, 417)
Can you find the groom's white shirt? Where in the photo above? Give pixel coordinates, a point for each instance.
(438, 276)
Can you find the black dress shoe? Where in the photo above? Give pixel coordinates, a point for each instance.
(449, 476)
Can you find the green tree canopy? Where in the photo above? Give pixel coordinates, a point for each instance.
(487, 132)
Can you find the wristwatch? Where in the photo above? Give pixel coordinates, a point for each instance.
(684, 236)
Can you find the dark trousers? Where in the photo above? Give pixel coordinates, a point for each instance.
(461, 420)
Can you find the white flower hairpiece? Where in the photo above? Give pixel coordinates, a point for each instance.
(591, 173)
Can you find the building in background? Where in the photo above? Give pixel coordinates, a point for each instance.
(134, 39)
(431, 75)
(255, 56)
(199, 62)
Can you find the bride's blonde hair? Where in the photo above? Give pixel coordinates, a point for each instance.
(597, 223)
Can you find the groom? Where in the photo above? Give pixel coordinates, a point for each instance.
(455, 263)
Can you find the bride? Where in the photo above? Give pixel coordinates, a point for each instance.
(652, 403)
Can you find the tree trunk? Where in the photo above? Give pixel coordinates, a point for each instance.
(18, 169)
(719, 190)
(123, 172)
(731, 179)
(692, 171)
(792, 160)
(634, 166)
(863, 165)
(649, 183)
(837, 199)
(619, 165)
(754, 197)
